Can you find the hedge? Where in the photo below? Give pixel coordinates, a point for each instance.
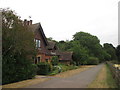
(17, 70)
(44, 68)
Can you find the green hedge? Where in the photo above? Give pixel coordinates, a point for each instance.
(44, 68)
(17, 70)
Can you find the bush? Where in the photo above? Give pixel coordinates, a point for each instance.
(73, 63)
(71, 67)
(17, 70)
(93, 61)
(54, 60)
(44, 68)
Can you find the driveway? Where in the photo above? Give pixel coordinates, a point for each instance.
(80, 80)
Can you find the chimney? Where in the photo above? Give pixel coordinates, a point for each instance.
(30, 23)
(25, 22)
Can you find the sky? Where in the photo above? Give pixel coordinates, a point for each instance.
(61, 19)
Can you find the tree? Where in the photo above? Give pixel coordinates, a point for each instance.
(18, 48)
(92, 43)
(65, 45)
(51, 39)
(80, 54)
(118, 52)
(110, 49)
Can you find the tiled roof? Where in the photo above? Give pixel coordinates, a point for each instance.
(38, 26)
(66, 56)
(51, 45)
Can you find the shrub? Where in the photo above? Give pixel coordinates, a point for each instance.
(71, 67)
(44, 68)
(54, 60)
(73, 63)
(17, 70)
(93, 61)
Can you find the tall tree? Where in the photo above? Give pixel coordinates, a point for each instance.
(92, 43)
(110, 49)
(80, 54)
(18, 48)
(118, 52)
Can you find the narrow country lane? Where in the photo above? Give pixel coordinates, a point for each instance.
(80, 80)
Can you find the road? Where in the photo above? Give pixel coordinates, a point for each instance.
(80, 80)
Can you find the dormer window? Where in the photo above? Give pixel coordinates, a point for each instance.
(38, 43)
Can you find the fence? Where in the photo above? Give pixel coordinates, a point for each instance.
(115, 72)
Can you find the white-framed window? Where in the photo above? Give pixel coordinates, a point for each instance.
(38, 44)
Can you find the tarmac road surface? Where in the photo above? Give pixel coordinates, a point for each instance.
(80, 80)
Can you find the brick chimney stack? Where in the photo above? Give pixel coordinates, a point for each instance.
(30, 23)
(27, 22)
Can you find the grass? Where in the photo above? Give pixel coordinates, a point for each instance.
(25, 83)
(104, 79)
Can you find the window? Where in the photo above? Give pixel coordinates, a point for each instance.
(38, 59)
(35, 60)
(38, 43)
(46, 60)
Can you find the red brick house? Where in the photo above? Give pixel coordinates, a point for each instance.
(40, 40)
(46, 49)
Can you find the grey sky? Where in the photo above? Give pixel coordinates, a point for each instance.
(61, 19)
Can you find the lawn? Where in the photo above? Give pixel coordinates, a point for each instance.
(104, 79)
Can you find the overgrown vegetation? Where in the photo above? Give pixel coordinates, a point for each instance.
(62, 68)
(104, 79)
(118, 53)
(18, 48)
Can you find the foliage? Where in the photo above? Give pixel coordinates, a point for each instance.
(63, 68)
(93, 61)
(18, 48)
(80, 54)
(90, 42)
(64, 45)
(107, 56)
(44, 68)
(51, 39)
(54, 60)
(110, 49)
(118, 52)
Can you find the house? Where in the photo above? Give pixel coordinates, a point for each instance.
(46, 49)
(40, 40)
(65, 57)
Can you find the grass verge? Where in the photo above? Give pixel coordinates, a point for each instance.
(104, 79)
(25, 83)
(74, 71)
